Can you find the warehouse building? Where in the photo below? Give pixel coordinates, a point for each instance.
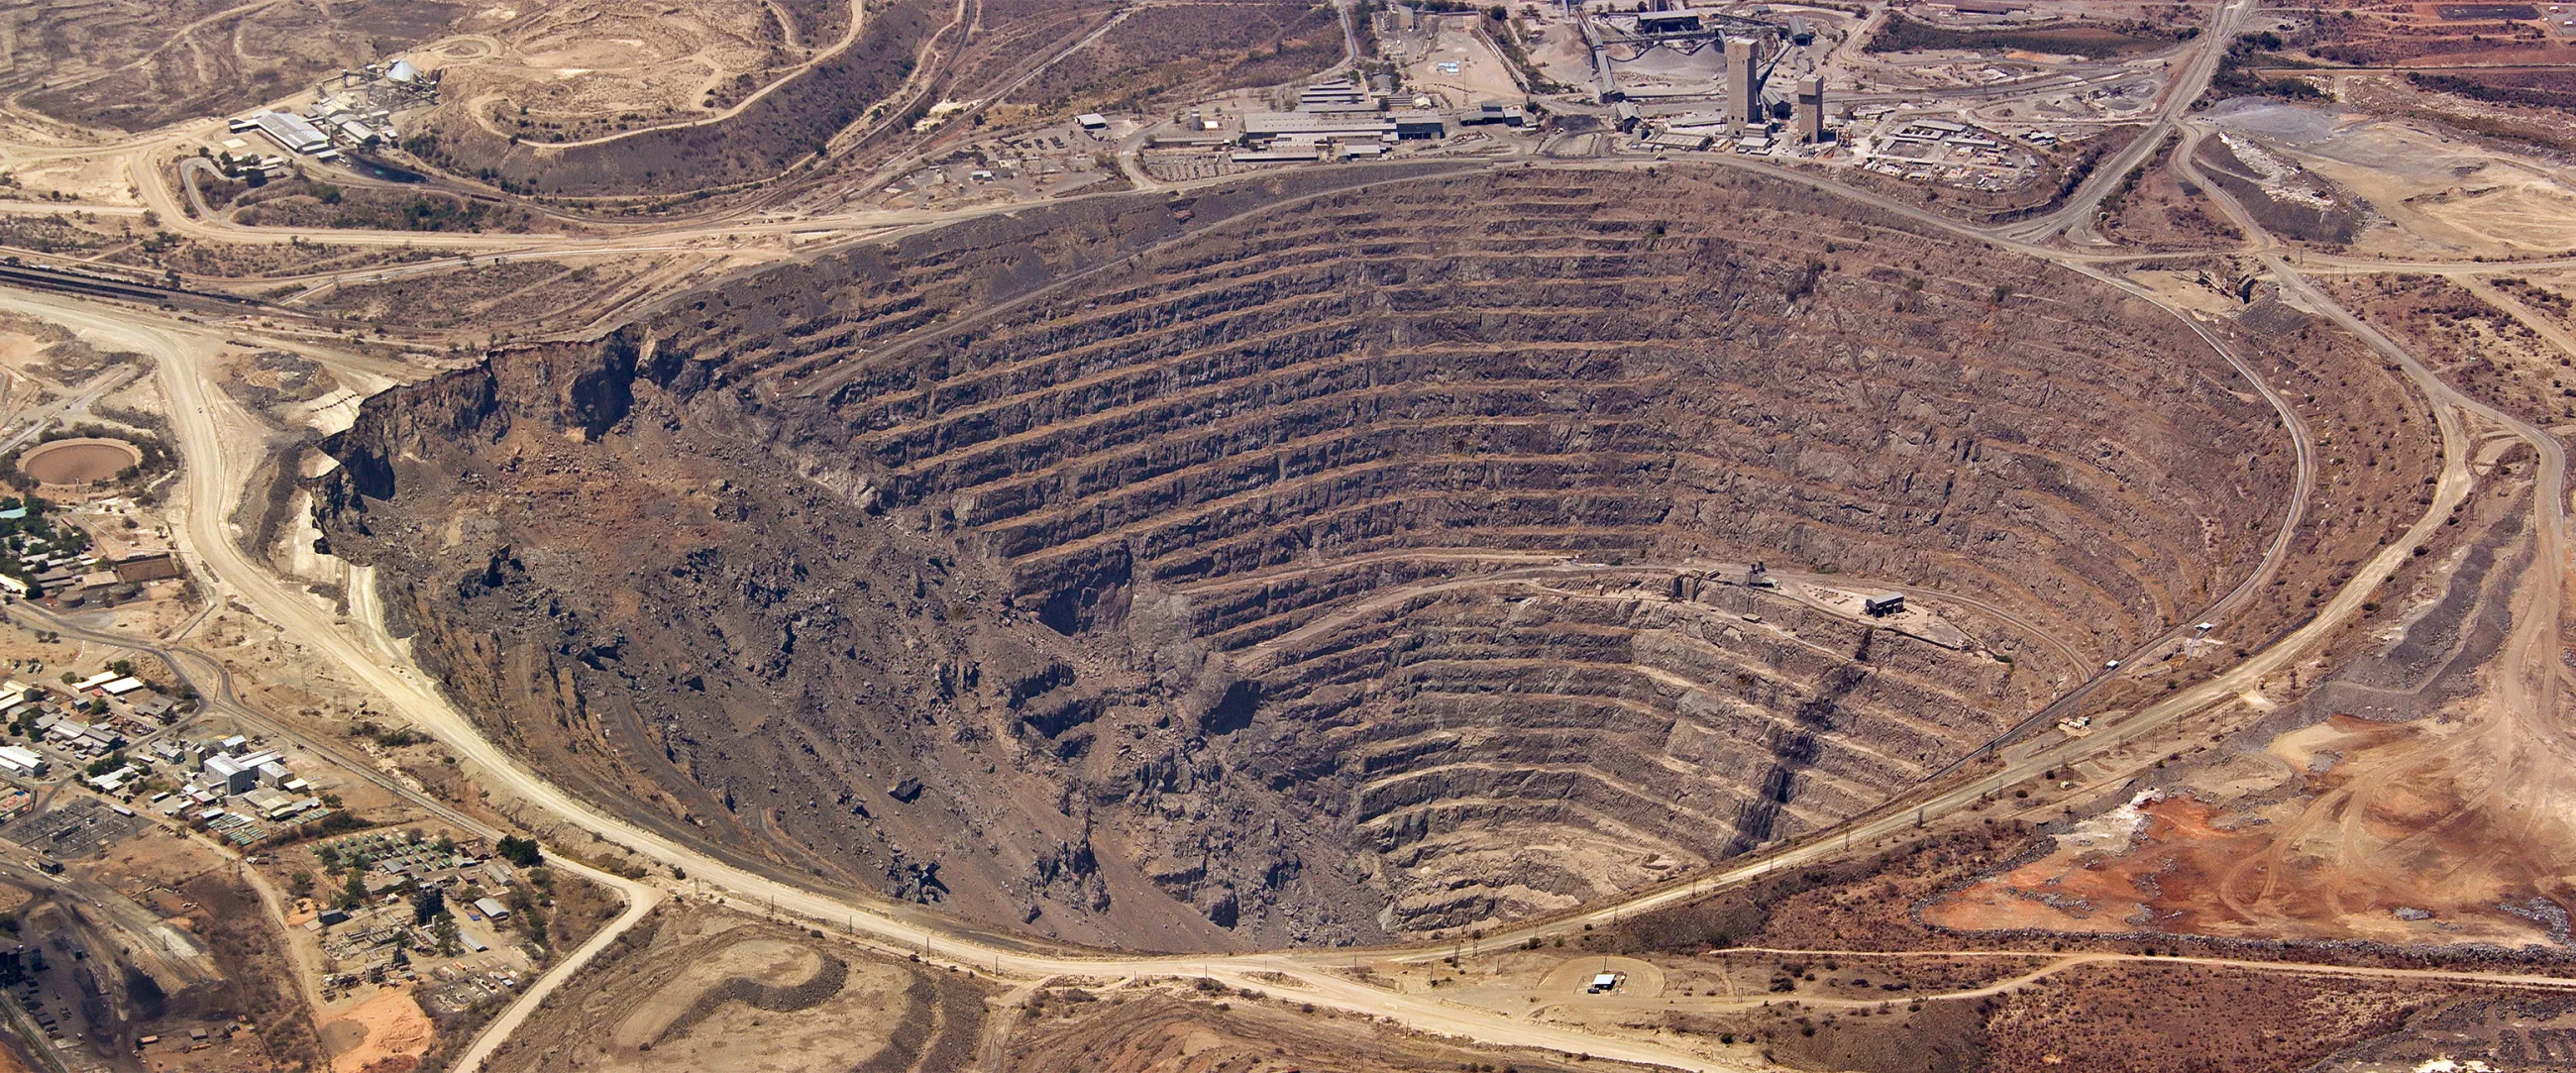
(1415, 124)
(1263, 127)
(237, 774)
(294, 132)
(22, 761)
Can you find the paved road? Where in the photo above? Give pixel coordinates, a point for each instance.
(78, 401)
(2075, 219)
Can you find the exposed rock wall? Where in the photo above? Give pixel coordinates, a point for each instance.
(1284, 562)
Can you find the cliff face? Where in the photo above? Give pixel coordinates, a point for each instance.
(1285, 563)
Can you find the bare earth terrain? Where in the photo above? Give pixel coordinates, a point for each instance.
(1219, 535)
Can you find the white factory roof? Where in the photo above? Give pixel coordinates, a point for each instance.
(233, 765)
(228, 766)
(1273, 124)
(96, 680)
(292, 131)
(21, 759)
(491, 908)
(122, 686)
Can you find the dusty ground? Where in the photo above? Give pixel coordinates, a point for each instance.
(2156, 209)
(2426, 190)
(2394, 797)
(1199, 47)
(1184, 1030)
(134, 66)
(578, 69)
(695, 988)
(2477, 344)
(379, 1034)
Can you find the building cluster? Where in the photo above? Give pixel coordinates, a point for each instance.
(1751, 109)
(1342, 120)
(235, 790)
(94, 558)
(354, 111)
(1956, 153)
(366, 942)
(89, 722)
(1753, 129)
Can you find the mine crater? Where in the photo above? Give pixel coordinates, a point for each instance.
(1303, 564)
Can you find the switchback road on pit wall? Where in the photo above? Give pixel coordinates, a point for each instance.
(216, 463)
(212, 484)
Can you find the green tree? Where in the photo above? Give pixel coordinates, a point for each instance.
(427, 904)
(521, 852)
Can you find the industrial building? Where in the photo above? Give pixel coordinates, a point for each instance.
(1414, 124)
(22, 761)
(1811, 110)
(1333, 96)
(239, 774)
(1883, 604)
(294, 132)
(1263, 127)
(1744, 80)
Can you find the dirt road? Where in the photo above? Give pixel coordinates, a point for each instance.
(219, 444)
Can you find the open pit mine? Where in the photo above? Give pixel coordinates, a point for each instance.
(1311, 561)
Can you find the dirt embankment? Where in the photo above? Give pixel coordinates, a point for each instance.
(696, 989)
(135, 65)
(1247, 567)
(790, 122)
